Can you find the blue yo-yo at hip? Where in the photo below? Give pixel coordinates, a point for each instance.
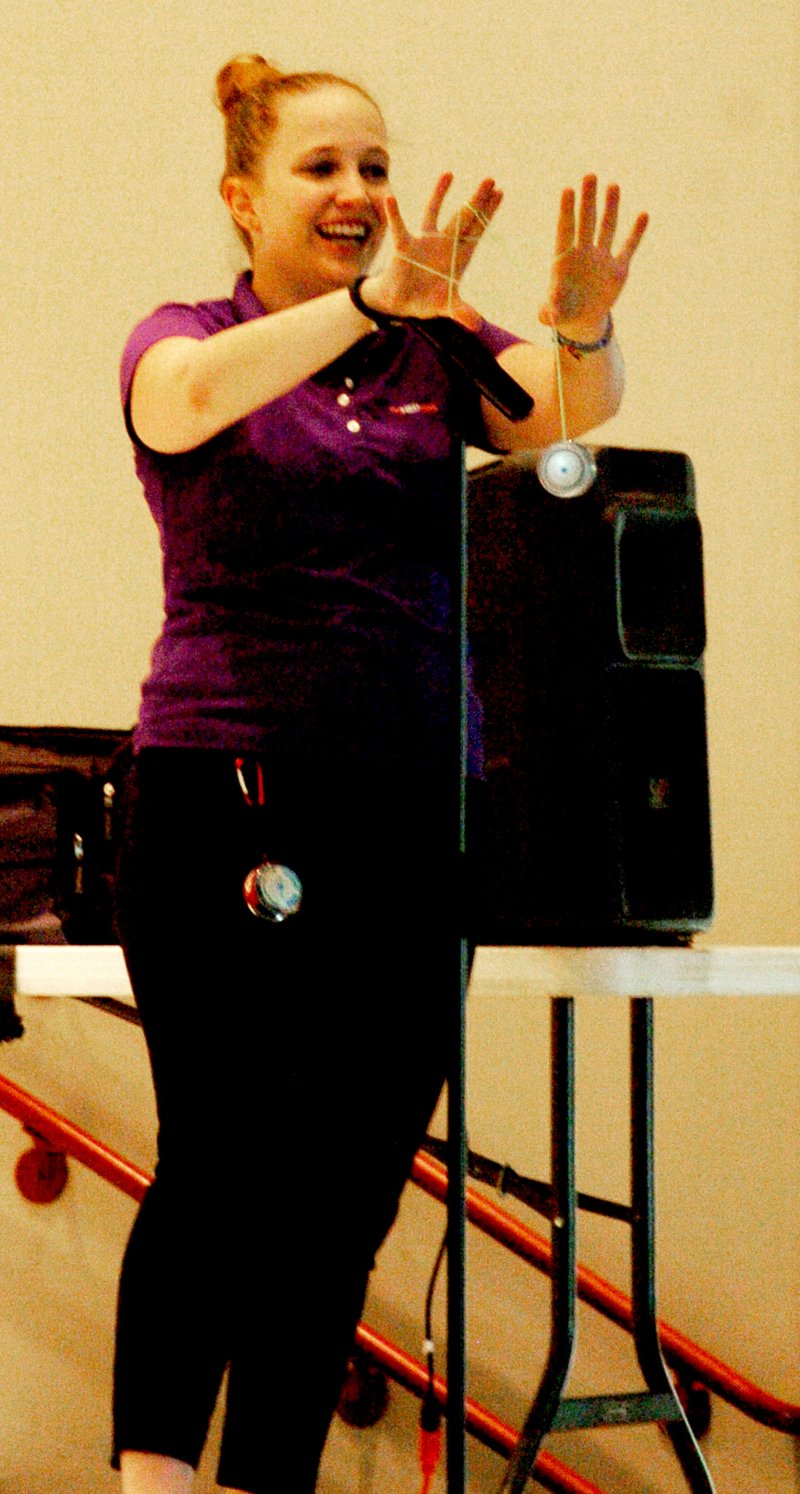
(272, 891)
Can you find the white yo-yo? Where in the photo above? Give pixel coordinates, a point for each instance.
(566, 469)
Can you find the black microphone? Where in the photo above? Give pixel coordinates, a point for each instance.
(463, 350)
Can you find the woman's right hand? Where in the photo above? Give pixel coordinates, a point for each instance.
(422, 277)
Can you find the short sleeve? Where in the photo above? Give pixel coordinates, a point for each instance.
(171, 320)
(473, 426)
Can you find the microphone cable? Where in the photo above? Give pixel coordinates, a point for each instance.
(430, 1417)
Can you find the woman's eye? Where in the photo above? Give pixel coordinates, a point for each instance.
(372, 171)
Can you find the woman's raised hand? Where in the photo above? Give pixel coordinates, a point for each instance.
(423, 274)
(586, 276)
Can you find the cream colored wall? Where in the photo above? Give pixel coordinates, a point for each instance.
(111, 156)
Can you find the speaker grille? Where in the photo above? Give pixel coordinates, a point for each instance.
(588, 627)
(659, 584)
(661, 794)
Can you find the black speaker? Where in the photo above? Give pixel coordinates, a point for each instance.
(587, 628)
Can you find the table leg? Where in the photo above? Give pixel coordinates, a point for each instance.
(645, 1328)
(562, 1236)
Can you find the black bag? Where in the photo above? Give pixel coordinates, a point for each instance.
(60, 808)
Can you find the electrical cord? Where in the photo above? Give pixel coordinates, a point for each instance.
(430, 1417)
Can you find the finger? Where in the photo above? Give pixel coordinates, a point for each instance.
(396, 226)
(487, 198)
(635, 237)
(565, 228)
(477, 214)
(587, 219)
(438, 195)
(608, 226)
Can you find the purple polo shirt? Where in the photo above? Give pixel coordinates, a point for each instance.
(307, 554)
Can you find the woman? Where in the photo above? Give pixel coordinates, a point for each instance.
(301, 466)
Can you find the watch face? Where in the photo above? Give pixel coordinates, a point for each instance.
(566, 469)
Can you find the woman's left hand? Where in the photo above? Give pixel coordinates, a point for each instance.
(587, 277)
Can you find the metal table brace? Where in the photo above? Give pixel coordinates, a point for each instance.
(659, 1402)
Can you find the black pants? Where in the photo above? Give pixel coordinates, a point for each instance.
(296, 1067)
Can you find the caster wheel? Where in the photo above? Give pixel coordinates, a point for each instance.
(365, 1393)
(41, 1176)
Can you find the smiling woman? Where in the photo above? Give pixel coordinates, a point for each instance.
(302, 462)
(324, 177)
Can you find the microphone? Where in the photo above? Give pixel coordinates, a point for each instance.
(467, 353)
(463, 350)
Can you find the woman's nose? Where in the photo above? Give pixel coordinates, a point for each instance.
(352, 187)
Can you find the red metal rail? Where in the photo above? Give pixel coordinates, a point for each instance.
(487, 1428)
(680, 1351)
(483, 1425)
(685, 1356)
(57, 1130)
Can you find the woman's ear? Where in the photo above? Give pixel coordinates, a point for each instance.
(237, 192)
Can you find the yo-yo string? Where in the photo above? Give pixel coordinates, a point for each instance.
(453, 264)
(452, 281)
(457, 239)
(557, 359)
(418, 265)
(559, 379)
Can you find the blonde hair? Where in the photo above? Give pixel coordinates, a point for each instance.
(249, 91)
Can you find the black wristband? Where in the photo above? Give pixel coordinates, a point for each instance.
(380, 318)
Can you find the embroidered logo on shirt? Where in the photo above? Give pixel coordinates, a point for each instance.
(414, 409)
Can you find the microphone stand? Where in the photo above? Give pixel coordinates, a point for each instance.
(468, 356)
(467, 360)
(456, 1043)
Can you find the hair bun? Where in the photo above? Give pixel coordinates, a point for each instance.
(241, 76)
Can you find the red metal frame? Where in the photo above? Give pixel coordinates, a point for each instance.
(108, 1164)
(681, 1352)
(483, 1425)
(77, 1143)
(431, 1176)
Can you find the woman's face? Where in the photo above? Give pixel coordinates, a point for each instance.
(319, 204)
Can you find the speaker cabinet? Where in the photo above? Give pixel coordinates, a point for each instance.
(587, 629)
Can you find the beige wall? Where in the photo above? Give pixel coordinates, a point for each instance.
(111, 157)
(110, 162)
